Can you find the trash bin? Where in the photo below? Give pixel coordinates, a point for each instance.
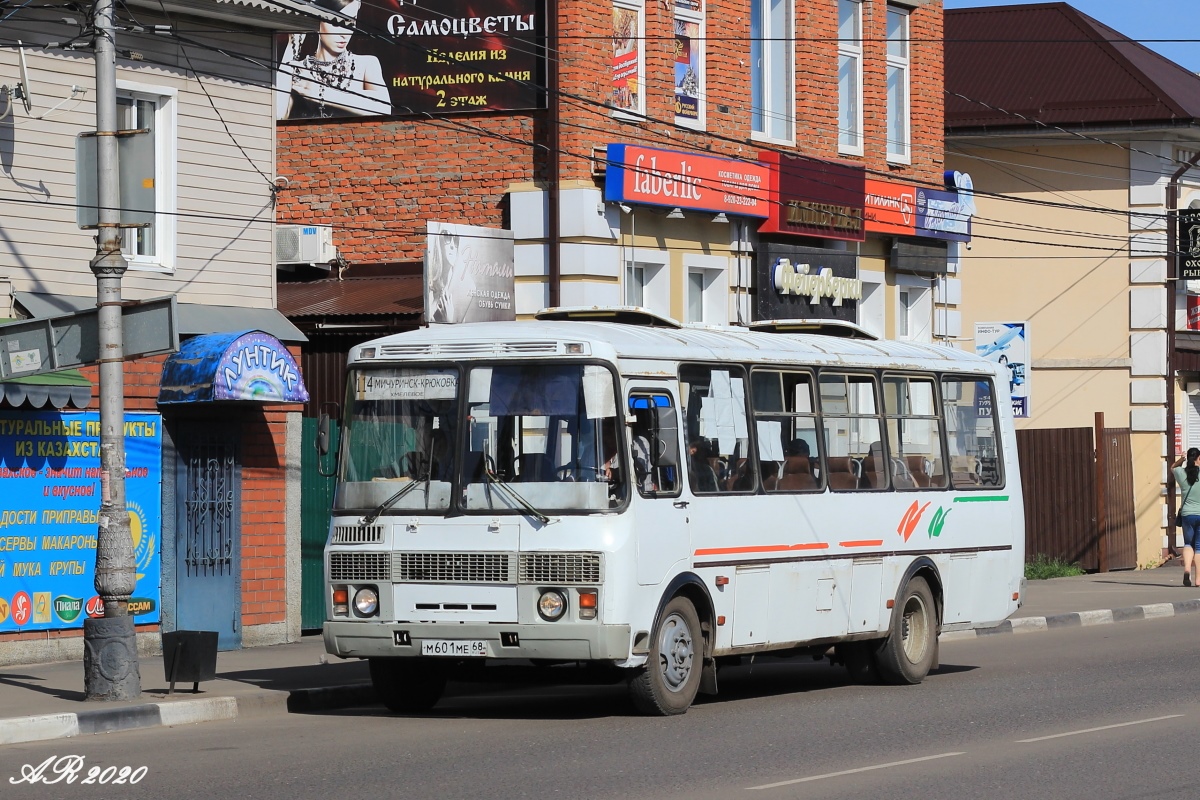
(189, 656)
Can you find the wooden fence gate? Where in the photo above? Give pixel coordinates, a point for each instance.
(1073, 491)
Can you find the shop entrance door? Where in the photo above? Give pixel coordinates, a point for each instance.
(208, 509)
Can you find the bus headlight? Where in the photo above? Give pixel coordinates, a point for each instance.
(552, 605)
(366, 602)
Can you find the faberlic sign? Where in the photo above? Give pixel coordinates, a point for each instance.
(675, 179)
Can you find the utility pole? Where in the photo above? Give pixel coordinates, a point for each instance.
(110, 663)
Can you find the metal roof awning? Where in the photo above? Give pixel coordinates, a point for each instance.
(244, 365)
(194, 318)
(67, 388)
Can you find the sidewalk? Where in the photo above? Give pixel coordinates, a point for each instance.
(45, 701)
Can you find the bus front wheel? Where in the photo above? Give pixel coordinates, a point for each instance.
(406, 686)
(668, 683)
(908, 653)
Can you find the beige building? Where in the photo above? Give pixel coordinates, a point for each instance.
(1071, 155)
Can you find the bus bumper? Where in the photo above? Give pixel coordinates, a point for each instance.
(567, 641)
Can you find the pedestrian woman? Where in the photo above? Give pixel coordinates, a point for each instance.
(1188, 480)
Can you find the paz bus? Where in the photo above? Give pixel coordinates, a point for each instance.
(612, 488)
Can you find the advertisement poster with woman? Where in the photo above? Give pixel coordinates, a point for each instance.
(1007, 344)
(397, 57)
(469, 274)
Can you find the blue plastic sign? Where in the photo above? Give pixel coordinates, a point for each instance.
(244, 365)
(50, 482)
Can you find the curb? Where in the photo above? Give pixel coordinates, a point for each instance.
(1078, 619)
(16, 730)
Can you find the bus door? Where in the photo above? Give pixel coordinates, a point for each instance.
(660, 515)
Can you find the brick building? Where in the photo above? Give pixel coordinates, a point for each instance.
(715, 87)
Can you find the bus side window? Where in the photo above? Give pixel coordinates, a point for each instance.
(654, 441)
(785, 424)
(972, 438)
(914, 432)
(717, 429)
(853, 432)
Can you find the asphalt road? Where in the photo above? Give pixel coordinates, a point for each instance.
(1104, 712)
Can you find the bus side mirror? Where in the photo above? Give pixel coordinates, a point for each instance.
(323, 434)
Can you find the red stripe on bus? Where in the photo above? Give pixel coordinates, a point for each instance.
(863, 543)
(766, 548)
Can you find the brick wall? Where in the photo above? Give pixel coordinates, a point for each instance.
(378, 181)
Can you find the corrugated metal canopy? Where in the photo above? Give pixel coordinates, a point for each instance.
(1057, 66)
(372, 296)
(194, 318)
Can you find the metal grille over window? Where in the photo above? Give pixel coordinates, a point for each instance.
(357, 534)
(560, 568)
(357, 567)
(452, 567)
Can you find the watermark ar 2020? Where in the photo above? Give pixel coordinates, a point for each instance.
(69, 769)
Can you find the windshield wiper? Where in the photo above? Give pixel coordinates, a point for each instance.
(386, 504)
(512, 493)
(426, 478)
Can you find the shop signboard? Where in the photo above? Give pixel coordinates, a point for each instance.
(1189, 244)
(947, 214)
(1007, 344)
(395, 57)
(811, 197)
(469, 274)
(679, 179)
(890, 208)
(795, 282)
(51, 485)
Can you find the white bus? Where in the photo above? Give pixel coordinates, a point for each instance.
(608, 487)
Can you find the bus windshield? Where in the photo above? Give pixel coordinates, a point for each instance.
(546, 433)
(399, 428)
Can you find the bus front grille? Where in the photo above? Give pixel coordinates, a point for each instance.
(560, 568)
(357, 534)
(359, 567)
(492, 568)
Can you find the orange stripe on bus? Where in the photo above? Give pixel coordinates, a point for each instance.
(863, 543)
(766, 548)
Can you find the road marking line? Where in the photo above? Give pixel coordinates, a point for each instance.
(1101, 728)
(851, 771)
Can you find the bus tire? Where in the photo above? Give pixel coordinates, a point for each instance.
(908, 653)
(405, 686)
(668, 683)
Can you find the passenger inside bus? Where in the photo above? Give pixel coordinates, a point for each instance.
(701, 472)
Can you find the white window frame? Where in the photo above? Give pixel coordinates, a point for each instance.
(697, 17)
(638, 114)
(166, 181)
(919, 317)
(775, 41)
(850, 48)
(900, 151)
(872, 312)
(656, 291)
(716, 297)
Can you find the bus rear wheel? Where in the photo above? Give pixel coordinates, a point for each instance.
(668, 683)
(406, 686)
(908, 653)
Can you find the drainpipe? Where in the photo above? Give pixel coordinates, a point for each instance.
(1172, 297)
(552, 164)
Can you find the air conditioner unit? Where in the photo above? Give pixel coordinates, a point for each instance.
(304, 244)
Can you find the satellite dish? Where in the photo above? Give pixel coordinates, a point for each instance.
(23, 87)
